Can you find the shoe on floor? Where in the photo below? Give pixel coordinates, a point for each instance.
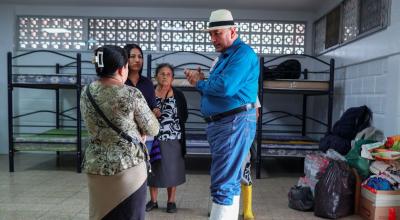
(171, 207)
(151, 205)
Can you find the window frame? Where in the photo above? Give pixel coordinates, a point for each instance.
(385, 22)
(86, 32)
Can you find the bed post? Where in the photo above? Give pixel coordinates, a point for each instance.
(57, 100)
(10, 114)
(304, 115)
(78, 114)
(149, 66)
(331, 92)
(58, 111)
(259, 121)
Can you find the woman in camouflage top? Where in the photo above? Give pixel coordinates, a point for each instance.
(116, 168)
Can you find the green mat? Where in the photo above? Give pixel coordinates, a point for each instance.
(51, 140)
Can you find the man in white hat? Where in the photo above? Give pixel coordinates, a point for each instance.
(228, 100)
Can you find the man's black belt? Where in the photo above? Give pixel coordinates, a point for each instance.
(219, 116)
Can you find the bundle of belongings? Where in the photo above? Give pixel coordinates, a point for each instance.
(288, 69)
(327, 187)
(379, 156)
(386, 175)
(359, 172)
(386, 155)
(380, 193)
(315, 166)
(346, 128)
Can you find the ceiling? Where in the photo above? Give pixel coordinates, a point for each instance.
(296, 5)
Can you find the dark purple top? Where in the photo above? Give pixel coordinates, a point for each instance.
(147, 88)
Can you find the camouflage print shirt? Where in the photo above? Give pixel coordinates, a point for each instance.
(107, 153)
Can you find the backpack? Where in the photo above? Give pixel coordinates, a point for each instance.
(346, 128)
(333, 141)
(288, 69)
(353, 121)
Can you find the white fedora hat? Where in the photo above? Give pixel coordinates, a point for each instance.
(220, 19)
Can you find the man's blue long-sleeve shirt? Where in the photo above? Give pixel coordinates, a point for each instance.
(233, 81)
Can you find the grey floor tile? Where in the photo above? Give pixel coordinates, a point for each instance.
(41, 190)
(81, 217)
(57, 216)
(19, 215)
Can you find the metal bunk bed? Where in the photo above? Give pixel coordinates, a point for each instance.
(269, 145)
(60, 138)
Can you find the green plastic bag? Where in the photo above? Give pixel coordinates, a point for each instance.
(355, 160)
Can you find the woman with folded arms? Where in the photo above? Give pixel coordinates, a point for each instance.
(115, 167)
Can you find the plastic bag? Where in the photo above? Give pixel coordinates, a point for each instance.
(355, 160)
(334, 192)
(301, 198)
(369, 133)
(315, 165)
(307, 182)
(334, 155)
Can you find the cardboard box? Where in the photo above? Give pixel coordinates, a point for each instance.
(375, 204)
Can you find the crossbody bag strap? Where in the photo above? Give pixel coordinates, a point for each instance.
(109, 123)
(118, 130)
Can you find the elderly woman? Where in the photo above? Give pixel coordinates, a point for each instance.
(115, 166)
(169, 171)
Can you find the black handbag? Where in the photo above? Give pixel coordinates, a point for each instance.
(288, 69)
(118, 130)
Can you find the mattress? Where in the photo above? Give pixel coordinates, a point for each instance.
(178, 82)
(277, 84)
(272, 146)
(284, 84)
(64, 79)
(197, 145)
(52, 140)
(266, 152)
(288, 146)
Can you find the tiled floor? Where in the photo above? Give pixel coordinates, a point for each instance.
(41, 190)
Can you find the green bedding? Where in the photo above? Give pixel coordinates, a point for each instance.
(51, 140)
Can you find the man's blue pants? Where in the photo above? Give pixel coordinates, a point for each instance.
(230, 139)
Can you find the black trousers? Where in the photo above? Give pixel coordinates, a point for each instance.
(132, 208)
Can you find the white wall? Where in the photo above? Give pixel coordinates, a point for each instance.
(7, 24)
(29, 99)
(367, 73)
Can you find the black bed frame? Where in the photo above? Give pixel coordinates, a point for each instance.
(261, 125)
(304, 93)
(56, 87)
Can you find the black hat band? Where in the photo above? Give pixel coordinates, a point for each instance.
(220, 23)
